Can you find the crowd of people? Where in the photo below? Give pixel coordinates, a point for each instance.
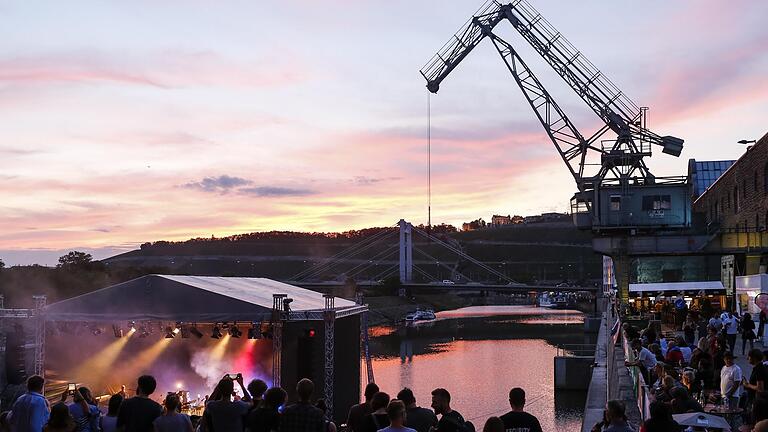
(259, 409)
(688, 374)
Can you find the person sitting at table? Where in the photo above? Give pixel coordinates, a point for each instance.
(660, 420)
(683, 403)
(685, 349)
(656, 350)
(645, 359)
(674, 355)
(690, 383)
(664, 393)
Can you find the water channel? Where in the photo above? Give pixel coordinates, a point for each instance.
(479, 353)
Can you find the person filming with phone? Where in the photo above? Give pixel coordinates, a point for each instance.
(222, 413)
(83, 408)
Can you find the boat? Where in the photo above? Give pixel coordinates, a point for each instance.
(420, 315)
(556, 301)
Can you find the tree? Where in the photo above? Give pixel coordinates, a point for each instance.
(75, 259)
(2, 264)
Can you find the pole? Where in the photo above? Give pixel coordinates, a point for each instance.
(330, 321)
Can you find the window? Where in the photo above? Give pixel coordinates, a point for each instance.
(657, 202)
(615, 202)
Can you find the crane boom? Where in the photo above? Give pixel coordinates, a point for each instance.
(623, 158)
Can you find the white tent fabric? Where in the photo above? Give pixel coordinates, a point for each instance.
(676, 286)
(186, 299)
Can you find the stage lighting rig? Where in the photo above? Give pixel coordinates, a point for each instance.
(216, 332)
(193, 330)
(132, 326)
(255, 331)
(183, 329)
(117, 330)
(170, 332)
(234, 331)
(143, 332)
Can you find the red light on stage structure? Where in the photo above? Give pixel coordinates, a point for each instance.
(309, 332)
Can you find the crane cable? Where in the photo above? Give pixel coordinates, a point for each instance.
(429, 163)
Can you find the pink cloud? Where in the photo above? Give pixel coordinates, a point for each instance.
(168, 69)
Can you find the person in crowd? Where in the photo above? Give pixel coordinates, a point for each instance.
(731, 330)
(30, 412)
(660, 420)
(696, 355)
(266, 417)
(630, 331)
(256, 389)
(450, 420)
(718, 355)
(683, 403)
(137, 413)
(674, 354)
(396, 412)
(705, 372)
(684, 348)
(649, 335)
(689, 330)
(358, 412)
(730, 381)
(716, 323)
(83, 410)
(761, 426)
(664, 393)
(517, 419)
(4, 425)
(690, 383)
(378, 418)
(108, 423)
(747, 332)
(761, 321)
(329, 425)
(645, 359)
(225, 414)
(173, 420)
(616, 420)
(701, 327)
(656, 350)
(60, 420)
(758, 378)
(494, 424)
(418, 418)
(759, 411)
(302, 416)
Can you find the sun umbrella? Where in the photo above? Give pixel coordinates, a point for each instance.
(702, 420)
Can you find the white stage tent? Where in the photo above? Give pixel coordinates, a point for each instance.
(202, 299)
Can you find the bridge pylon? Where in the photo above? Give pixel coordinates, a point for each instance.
(406, 251)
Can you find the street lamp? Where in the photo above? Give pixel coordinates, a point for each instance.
(747, 141)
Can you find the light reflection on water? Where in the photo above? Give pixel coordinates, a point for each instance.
(479, 354)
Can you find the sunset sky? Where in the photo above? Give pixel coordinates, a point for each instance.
(127, 122)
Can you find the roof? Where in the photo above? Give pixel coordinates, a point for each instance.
(188, 299)
(676, 286)
(707, 172)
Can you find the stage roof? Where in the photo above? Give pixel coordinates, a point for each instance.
(676, 286)
(190, 299)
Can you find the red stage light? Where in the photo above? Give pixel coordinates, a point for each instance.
(311, 332)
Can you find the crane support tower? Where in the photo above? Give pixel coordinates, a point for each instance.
(617, 195)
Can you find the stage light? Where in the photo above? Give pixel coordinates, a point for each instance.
(234, 331)
(216, 332)
(254, 332)
(117, 330)
(184, 330)
(194, 331)
(169, 332)
(287, 304)
(143, 332)
(309, 332)
(97, 331)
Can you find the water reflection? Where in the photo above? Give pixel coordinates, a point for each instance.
(479, 354)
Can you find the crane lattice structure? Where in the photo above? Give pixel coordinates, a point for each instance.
(621, 159)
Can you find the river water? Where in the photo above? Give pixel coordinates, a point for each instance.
(478, 354)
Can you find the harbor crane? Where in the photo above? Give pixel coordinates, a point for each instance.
(621, 160)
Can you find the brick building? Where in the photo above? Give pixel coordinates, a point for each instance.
(738, 200)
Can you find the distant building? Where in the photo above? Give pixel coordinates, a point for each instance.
(474, 225)
(554, 217)
(533, 219)
(499, 220)
(517, 219)
(701, 174)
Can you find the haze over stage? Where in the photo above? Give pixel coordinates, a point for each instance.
(187, 299)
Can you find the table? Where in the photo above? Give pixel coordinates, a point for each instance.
(728, 414)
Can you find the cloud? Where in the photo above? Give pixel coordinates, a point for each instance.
(224, 184)
(221, 184)
(366, 181)
(166, 69)
(274, 191)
